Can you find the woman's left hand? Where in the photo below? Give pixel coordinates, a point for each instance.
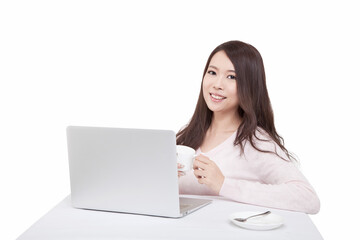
(208, 173)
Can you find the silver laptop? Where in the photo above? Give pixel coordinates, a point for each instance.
(126, 170)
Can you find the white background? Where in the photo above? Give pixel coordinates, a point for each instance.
(139, 64)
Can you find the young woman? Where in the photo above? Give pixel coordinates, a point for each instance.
(240, 154)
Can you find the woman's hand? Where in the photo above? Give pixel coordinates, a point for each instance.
(180, 173)
(208, 173)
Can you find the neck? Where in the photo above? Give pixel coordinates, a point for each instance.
(221, 123)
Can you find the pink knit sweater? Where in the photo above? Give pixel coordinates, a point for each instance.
(256, 178)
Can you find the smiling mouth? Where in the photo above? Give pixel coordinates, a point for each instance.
(217, 97)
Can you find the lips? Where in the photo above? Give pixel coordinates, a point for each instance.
(217, 97)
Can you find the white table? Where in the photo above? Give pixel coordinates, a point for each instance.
(209, 222)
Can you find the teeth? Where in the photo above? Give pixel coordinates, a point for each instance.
(217, 97)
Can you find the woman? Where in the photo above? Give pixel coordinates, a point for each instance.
(240, 154)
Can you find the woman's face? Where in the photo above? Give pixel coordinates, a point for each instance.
(219, 85)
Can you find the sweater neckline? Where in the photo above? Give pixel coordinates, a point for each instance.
(218, 147)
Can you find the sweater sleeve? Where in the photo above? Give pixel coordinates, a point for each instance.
(280, 183)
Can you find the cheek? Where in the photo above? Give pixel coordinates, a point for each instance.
(233, 92)
(205, 83)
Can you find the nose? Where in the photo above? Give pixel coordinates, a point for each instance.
(218, 83)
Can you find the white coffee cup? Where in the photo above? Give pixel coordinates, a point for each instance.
(185, 156)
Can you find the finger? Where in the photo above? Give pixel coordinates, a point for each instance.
(198, 164)
(203, 159)
(179, 165)
(180, 174)
(203, 180)
(199, 173)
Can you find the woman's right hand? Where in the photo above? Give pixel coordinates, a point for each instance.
(180, 173)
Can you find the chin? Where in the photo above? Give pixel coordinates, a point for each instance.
(215, 109)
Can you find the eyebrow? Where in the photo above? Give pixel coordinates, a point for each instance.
(212, 66)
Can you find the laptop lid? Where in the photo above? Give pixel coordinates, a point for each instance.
(124, 170)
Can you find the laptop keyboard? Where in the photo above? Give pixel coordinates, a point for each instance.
(183, 206)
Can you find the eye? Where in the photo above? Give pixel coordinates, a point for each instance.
(211, 72)
(231, 77)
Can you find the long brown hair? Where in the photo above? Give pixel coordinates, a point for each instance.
(254, 103)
